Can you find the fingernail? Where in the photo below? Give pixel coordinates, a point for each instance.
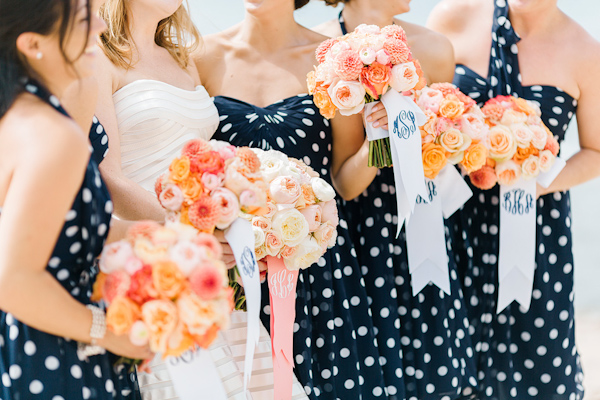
(376, 124)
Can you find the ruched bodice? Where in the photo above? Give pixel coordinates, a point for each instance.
(155, 119)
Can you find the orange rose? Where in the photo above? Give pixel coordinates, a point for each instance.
(375, 79)
(323, 101)
(451, 107)
(311, 82)
(452, 140)
(168, 279)
(508, 172)
(192, 189)
(434, 159)
(98, 289)
(501, 143)
(307, 197)
(523, 154)
(160, 316)
(198, 315)
(179, 170)
(179, 342)
(121, 315)
(206, 340)
(523, 106)
(475, 157)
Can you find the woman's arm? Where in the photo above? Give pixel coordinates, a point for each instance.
(44, 183)
(132, 202)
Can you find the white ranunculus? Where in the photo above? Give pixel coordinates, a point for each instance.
(323, 190)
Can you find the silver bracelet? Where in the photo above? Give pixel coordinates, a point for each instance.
(98, 329)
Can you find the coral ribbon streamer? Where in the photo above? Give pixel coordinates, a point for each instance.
(282, 296)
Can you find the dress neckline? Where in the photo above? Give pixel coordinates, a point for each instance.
(139, 81)
(301, 95)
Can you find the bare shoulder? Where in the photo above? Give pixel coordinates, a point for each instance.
(449, 16)
(330, 28)
(107, 73)
(212, 51)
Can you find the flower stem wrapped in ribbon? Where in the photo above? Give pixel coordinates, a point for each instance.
(357, 69)
(299, 227)
(522, 151)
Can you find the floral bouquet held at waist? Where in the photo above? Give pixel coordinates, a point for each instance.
(360, 67)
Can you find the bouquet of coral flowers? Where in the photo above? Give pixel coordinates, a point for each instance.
(359, 68)
(519, 144)
(302, 220)
(210, 184)
(166, 287)
(455, 130)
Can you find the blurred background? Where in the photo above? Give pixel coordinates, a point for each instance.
(215, 15)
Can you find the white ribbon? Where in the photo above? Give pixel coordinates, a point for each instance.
(241, 239)
(194, 374)
(425, 232)
(516, 259)
(404, 120)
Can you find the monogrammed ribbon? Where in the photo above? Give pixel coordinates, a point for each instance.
(282, 296)
(241, 239)
(194, 373)
(516, 259)
(425, 231)
(404, 120)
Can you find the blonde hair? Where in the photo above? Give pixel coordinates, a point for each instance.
(176, 33)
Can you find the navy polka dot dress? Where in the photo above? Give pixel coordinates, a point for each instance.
(37, 365)
(521, 355)
(424, 344)
(98, 140)
(336, 351)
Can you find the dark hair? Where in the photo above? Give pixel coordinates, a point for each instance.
(37, 16)
(334, 3)
(300, 3)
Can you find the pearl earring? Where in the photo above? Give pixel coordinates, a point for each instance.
(39, 55)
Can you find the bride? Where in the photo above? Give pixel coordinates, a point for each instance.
(151, 102)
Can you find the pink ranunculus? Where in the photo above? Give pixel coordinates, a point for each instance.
(430, 99)
(383, 57)
(251, 198)
(484, 178)
(367, 55)
(508, 172)
(347, 96)
(273, 243)
(171, 197)
(285, 190)
(329, 212)
(348, 65)
(211, 244)
(546, 160)
(404, 77)
(313, 216)
(207, 280)
(228, 204)
(210, 181)
(115, 256)
(133, 265)
(474, 126)
(116, 284)
(186, 255)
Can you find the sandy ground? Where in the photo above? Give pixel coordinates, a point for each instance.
(587, 330)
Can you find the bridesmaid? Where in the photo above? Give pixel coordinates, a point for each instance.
(53, 200)
(535, 52)
(257, 71)
(429, 331)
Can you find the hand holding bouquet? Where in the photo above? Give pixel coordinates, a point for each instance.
(166, 287)
(519, 144)
(359, 68)
(455, 130)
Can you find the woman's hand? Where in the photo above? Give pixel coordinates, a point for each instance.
(228, 257)
(379, 115)
(122, 346)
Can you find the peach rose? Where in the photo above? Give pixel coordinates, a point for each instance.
(375, 79)
(404, 77)
(474, 126)
(508, 172)
(148, 253)
(98, 288)
(228, 204)
(192, 189)
(121, 315)
(329, 212)
(168, 280)
(186, 255)
(179, 170)
(142, 230)
(540, 137)
(523, 135)
(454, 141)
(313, 217)
(211, 181)
(262, 223)
(430, 99)
(523, 154)
(525, 106)
(347, 96)
(198, 315)
(475, 157)
(546, 160)
(261, 252)
(501, 143)
(160, 316)
(307, 253)
(209, 243)
(531, 167)
(451, 107)
(484, 178)
(273, 243)
(434, 159)
(285, 190)
(308, 195)
(323, 102)
(288, 252)
(179, 342)
(163, 237)
(326, 235)
(114, 256)
(511, 117)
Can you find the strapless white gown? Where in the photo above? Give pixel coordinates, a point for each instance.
(155, 119)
